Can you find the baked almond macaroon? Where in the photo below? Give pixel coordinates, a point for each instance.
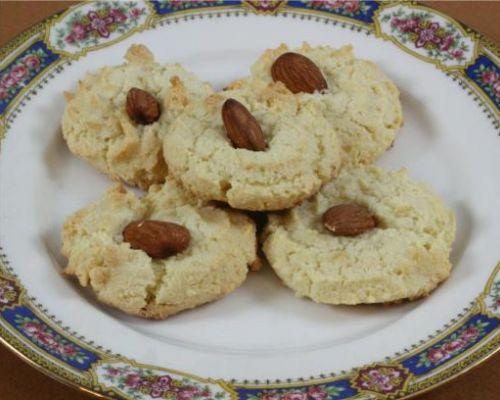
(360, 102)
(160, 254)
(255, 150)
(369, 236)
(112, 118)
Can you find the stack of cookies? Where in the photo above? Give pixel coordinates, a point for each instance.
(296, 139)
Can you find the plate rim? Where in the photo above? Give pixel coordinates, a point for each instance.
(9, 49)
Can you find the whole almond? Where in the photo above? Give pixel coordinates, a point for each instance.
(142, 107)
(298, 73)
(158, 239)
(241, 127)
(348, 220)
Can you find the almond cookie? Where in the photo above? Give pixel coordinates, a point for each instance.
(158, 255)
(361, 103)
(117, 131)
(327, 248)
(258, 151)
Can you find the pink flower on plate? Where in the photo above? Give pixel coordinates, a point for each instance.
(133, 380)
(381, 378)
(454, 345)
(7, 81)
(412, 24)
(405, 25)
(437, 355)
(161, 386)
(428, 35)
(317, 393)
(457, 53)
(66, 350)
(135, 13)
(294, 395)
(3, 94)
(268, 396)
(31, 328)
(470, 333)
(264, 4)
(31, 61)
(118, 15)
(100, 25)
(79, 31)
(19, 72)
(496, 86)
(396, 22)
(70, 39)
(334, 3)
(380, 381)
(114, 371)
(47, 339)
(446, 43)
(351, 6)
(489, 77)
(329, 4)
(317, 3)
(187, 393)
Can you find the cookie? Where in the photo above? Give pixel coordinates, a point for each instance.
(361, 102)
(301, 150)
(222, 245)
(97, 127)
(405, 256)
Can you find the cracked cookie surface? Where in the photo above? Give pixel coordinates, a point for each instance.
(223, 245)
(97, 128)
(361, 103)
(404, 257)
(302, 151)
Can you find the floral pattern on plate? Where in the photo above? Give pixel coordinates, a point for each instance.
(315, 392)
(336, 390)
(360, 10)
(452, 345)
(468, 334)
(383, 379)
(93, 24)
(492, 295)
(493, 298)
(486, 74)
(168, 6)
(265, 6)
(431, 36)
(23, 70)
(47, 339)
(142, 383)
(9, 293)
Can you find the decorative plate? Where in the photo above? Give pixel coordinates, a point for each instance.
(259, 343)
